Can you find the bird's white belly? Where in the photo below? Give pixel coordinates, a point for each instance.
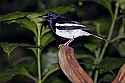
(70, 34)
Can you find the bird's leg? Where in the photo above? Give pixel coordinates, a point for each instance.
(68, 42)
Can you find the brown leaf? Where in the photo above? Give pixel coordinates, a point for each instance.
(120, 78)
(71, 67)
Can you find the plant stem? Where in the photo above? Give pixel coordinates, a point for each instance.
(117, 38)
(96, 76)
(110, 34)
(48, 74)
(32, 77)
(38, 55)
(39, 66)
(107, 42)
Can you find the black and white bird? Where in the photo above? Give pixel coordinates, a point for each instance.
(66, 28)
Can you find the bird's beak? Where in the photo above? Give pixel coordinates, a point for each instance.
(44, 18)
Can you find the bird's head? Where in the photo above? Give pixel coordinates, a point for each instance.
(51, 16)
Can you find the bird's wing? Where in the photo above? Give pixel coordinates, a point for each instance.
(69, 25)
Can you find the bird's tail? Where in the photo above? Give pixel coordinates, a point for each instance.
(99, 37)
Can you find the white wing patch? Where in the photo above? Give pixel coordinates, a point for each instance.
(69, 24)
(70, 34)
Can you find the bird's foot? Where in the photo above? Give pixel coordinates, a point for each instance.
(68, 42)
(61, 45)
(65, 44)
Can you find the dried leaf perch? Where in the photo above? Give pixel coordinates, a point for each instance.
(120, 78)
(71, 67)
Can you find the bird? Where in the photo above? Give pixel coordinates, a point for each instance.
(67, 28)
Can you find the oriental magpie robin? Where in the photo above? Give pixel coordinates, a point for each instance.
(66, 28)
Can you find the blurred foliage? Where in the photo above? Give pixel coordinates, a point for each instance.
(20, 58)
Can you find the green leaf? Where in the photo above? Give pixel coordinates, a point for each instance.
(91, 46)
(25, 23)
(36, 17)
(87, 60)
(49, 60)
(102, 25)
(106, 78)
(9, 73)
(44, 31)
(61, 9)
(6, 75)
(12, 16)
(28, 24)
(110, 63)
(19, 56)
(46, 37)
(26, 20)
(49, 73)
(122, 28)
(121, 49)
(35, 14)
(20, 15)
(20, 65)
(59, 78)
(8, 47)
(122, 4)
